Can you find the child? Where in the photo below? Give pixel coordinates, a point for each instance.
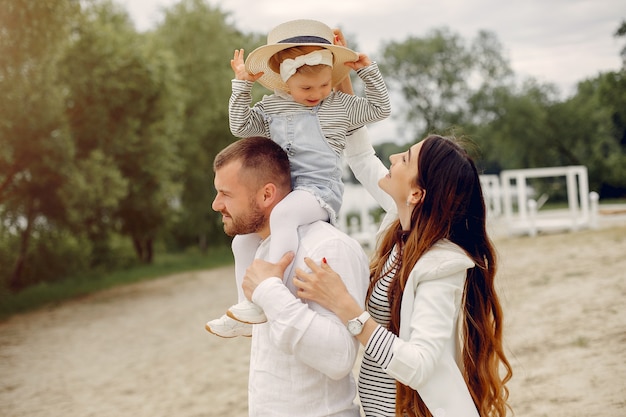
(301, 64)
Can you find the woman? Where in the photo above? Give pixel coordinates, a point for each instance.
(433, 343)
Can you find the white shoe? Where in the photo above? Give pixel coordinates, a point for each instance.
(247, 312)
(227, 327)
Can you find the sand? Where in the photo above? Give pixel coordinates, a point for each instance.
(141, 350)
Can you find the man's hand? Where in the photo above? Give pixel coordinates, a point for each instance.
(261, 270)
(239, 68)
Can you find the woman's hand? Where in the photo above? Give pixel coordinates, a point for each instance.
(345, 85)
(325, 287)
(239, 68)
(340, 39)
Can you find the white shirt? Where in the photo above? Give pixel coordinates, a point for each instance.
(301, 360)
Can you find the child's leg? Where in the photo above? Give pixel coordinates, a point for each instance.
(244, 248)
(297, 208)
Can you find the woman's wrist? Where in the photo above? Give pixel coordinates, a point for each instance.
(346, 308)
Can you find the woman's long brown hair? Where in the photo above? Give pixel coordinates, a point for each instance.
(453, 208)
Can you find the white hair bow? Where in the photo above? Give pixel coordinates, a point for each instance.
(289, 66)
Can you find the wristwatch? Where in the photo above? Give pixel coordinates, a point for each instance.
(355, 326)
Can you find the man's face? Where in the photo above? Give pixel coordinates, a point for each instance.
(237, 202)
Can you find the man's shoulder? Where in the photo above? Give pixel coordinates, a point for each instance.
(323, 232)
(320, 240)
(321, 226)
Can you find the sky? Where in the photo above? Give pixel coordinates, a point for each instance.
(560, 42)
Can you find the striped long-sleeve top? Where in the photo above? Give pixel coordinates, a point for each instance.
(377, 389)
(339, 113)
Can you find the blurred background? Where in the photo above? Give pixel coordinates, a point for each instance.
(110, 119)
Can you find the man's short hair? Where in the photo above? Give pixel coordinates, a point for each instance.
(262, 160)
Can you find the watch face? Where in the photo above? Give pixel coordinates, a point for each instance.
(354, 327)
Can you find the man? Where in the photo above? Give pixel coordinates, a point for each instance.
(302, 358)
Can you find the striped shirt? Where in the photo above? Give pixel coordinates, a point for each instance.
(377, 390)
(339, 114)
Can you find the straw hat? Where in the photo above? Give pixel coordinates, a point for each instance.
(298, 33)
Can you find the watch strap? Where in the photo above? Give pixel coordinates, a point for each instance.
(363, 317)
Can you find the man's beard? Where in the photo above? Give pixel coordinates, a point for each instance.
(249, 223)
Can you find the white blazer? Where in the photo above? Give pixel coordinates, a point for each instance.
(426, 355)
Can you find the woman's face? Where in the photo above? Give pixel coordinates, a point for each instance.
(399, 183)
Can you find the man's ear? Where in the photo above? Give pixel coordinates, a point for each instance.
(268, 195)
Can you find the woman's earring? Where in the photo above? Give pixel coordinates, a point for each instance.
(407, 202)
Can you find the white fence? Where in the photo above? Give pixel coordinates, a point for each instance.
(358, 205)
(521, 213)
(512, 207)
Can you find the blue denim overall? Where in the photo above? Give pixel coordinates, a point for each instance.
(315, 166)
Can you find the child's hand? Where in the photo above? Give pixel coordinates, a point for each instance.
(239, 68)
(362, 62)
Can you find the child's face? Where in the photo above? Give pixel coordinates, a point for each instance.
(310, 89)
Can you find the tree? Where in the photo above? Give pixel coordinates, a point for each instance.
(515, 130)
(439, 75)
(601, 144)
(124, 110)
(621, 32)
(203, 43)
(34, 145)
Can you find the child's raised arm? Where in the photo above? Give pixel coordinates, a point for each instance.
(239, 68)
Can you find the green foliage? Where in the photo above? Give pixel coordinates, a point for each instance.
(107, 136)
(438, 76)
(600, 140)
(128, 108)
(621, 32)
(514, 136)
(469, 89)
(534, 129)
(35, 150)
(203, 43)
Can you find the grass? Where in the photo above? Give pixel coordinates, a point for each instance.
(46, 294)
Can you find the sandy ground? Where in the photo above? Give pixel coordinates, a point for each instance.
(142, 350)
